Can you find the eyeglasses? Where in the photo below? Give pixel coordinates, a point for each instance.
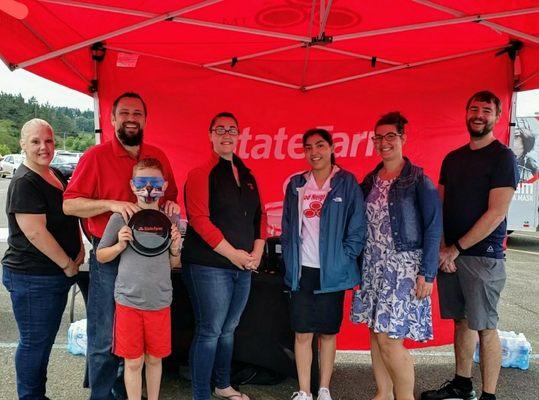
(389, 137)
(221, 130)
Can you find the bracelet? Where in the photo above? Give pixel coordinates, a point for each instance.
(172, 253)
(458, 246)
(67, 264)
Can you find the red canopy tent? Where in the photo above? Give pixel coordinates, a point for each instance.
(283, 66)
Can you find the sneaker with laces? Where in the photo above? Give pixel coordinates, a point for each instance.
(323, 394)
(448, 391)
(301, 395)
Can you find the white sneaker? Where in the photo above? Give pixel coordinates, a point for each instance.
(323, 394)
(301, 395)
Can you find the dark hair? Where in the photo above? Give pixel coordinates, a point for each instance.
(325, 135)
(224, 114)
(152, 163)
(393, 118)
(131, 95)
(487, 97)
(528, 139)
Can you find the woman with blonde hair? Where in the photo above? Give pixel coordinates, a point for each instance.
(43, 257)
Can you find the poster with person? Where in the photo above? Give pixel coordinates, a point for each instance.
(526, 148)
(523, 213)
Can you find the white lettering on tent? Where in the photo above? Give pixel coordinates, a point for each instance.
(264, 146)
(295, 147)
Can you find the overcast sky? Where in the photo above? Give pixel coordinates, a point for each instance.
(44, 91)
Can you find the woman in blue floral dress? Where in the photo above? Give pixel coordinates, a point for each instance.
(400, 259)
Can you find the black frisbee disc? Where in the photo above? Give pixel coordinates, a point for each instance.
(151, 232)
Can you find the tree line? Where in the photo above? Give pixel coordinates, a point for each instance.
(73, 128)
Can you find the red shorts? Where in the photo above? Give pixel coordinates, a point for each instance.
(138, 332)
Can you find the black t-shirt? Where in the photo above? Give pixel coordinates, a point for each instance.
(468, 176)
(29, 193)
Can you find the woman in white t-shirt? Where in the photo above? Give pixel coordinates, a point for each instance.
(323, 233)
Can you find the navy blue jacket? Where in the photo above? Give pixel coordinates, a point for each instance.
(415, 214)
(342, 232)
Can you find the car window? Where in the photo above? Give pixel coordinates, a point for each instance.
(65, 158)
(8, 159)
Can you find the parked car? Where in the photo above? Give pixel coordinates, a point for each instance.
(65, 162)
(9, 164)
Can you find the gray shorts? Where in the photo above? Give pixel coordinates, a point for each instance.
(473, 291)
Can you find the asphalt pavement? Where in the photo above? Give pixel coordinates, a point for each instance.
(352, 378)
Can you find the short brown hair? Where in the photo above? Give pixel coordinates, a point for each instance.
(224, 114)
(486, 97)
(131, 95)
(148, 163)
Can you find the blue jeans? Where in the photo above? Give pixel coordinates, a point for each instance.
(218, 297)
(38, 304)
(105, 377)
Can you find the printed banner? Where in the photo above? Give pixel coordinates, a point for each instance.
(272, 119)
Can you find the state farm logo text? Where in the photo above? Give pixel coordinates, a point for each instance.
(288, 145)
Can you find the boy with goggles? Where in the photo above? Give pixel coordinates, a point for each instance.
(148, 188)
(143, 288)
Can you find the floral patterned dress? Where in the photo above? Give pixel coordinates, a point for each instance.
(386, 301)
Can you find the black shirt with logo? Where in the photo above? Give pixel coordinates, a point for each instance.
(468, 176)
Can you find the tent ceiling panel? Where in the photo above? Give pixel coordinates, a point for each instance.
(486, 6)
(194, 43)
(137, 6)
(79, 24)
(272, 38)
(349, 16)
(321, 67)
(289, 16)
(529, 77)
(521, 23)
(433, 42)
(58, 71)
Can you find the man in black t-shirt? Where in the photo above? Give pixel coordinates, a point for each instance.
(477, 182)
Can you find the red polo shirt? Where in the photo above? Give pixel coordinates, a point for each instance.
(104, 172)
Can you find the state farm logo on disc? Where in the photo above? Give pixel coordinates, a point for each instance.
(151, 232)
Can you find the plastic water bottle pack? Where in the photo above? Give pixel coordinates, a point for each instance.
(516, 350)
(77, 340)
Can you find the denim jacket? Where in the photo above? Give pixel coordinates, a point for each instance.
(342, 233)
(415, 214)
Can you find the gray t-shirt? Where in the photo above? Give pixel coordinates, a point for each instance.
(142, 282)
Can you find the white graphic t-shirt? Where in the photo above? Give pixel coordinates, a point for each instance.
(313, 199)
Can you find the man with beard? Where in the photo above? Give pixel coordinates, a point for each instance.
(99, 187)
(477, 182)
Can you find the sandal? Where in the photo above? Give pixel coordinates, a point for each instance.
(239, 396)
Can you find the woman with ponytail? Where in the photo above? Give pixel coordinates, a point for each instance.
(323, 233)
